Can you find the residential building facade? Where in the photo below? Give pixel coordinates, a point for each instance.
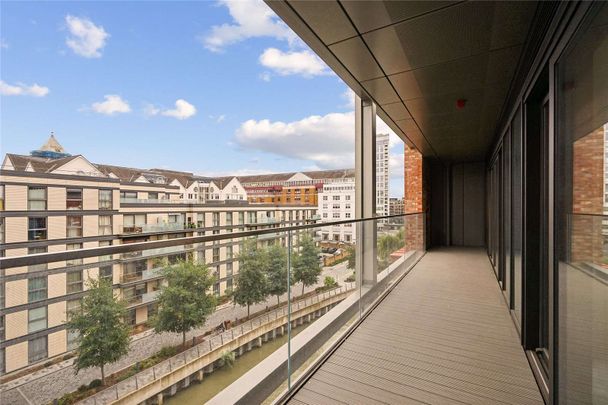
(337, 203)
(53, 204)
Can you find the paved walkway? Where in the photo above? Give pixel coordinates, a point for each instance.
(52, 382)
(442, 336)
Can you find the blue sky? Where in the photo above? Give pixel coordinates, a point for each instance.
(209, 87)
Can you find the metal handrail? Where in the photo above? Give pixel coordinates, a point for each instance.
(39, 258)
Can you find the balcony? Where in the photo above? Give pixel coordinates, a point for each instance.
(443, 334)
(151, 228)
(159, 201)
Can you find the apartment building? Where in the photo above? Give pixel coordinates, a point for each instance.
(337, 203)
(293, 187)
(54, 202)
(382, 174)
(395, 206)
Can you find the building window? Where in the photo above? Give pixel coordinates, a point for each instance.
(36, 198)
(72, 307)
(216, 254)
(128, 195)
(131, 317)
(106, 273)
(2, 294)
(36, 228)
(229, 252)
(105, 199)
(216, 219)
(2, 230)
(336, 206)
(336, 215)
(74, 281)
(336, 198)
(36, 289)
(324, 198)
(2, 329)
(73, 226)
(105, 224)
(36, 319)
(229, 284)
(37, 349)
(33, 251)
(347, 215)
(241, 218)
(229, 269)
(73, 246)
(102, 243)
(133, 223)
(73, 199)
(325, 215)
(229, 218)
(348, 238)
(216, 289)
(152, 196)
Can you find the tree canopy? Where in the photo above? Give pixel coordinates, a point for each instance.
(306, 266)
(251, 284)
(103, 336)
(184, 302)
(277, 271)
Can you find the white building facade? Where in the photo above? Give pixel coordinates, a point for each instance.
(382, 174)
(337, 203)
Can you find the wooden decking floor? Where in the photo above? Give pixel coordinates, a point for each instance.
(442, 336)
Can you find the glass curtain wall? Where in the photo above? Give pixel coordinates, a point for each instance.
(582, 224)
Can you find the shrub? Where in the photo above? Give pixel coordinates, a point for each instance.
(166, 352)
(95, 383)
(83, 388)
(67, 399)
(228, 358)
(351, 278)
(329, 282)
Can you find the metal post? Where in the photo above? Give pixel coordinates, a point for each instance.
(288, 310)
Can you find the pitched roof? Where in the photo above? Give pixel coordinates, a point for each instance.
(39, 164)
(221, 182)
(126, 174)
(315, 175)
(52, 145)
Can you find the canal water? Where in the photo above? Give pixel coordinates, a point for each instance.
(199, 393)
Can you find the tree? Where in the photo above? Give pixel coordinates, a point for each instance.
(306, 267)
(387, 244)
(277, 271)
(251, 285)
(352, 257)
(103, 336)
(184, 302)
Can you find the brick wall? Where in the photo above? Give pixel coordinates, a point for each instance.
(413, 199)
(588, 197)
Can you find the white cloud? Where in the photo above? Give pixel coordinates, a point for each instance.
(150, 110)
(183, 110)
(266, 76)
(304, 63)
(21, 89)
(251, 18)
(326, 141)
(3, 43)
(113, 104)
(219, 118)
(86, 39)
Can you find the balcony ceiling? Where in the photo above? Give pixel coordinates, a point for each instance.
(415, 59)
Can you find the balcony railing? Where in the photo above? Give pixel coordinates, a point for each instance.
(159, 201)
(149, 228)
(349, 303)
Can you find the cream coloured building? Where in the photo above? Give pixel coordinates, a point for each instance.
(54, 202)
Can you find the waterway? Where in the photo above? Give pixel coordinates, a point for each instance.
(199, 393)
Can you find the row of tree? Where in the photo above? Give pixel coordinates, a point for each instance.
(263, 271)
(184, 301)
